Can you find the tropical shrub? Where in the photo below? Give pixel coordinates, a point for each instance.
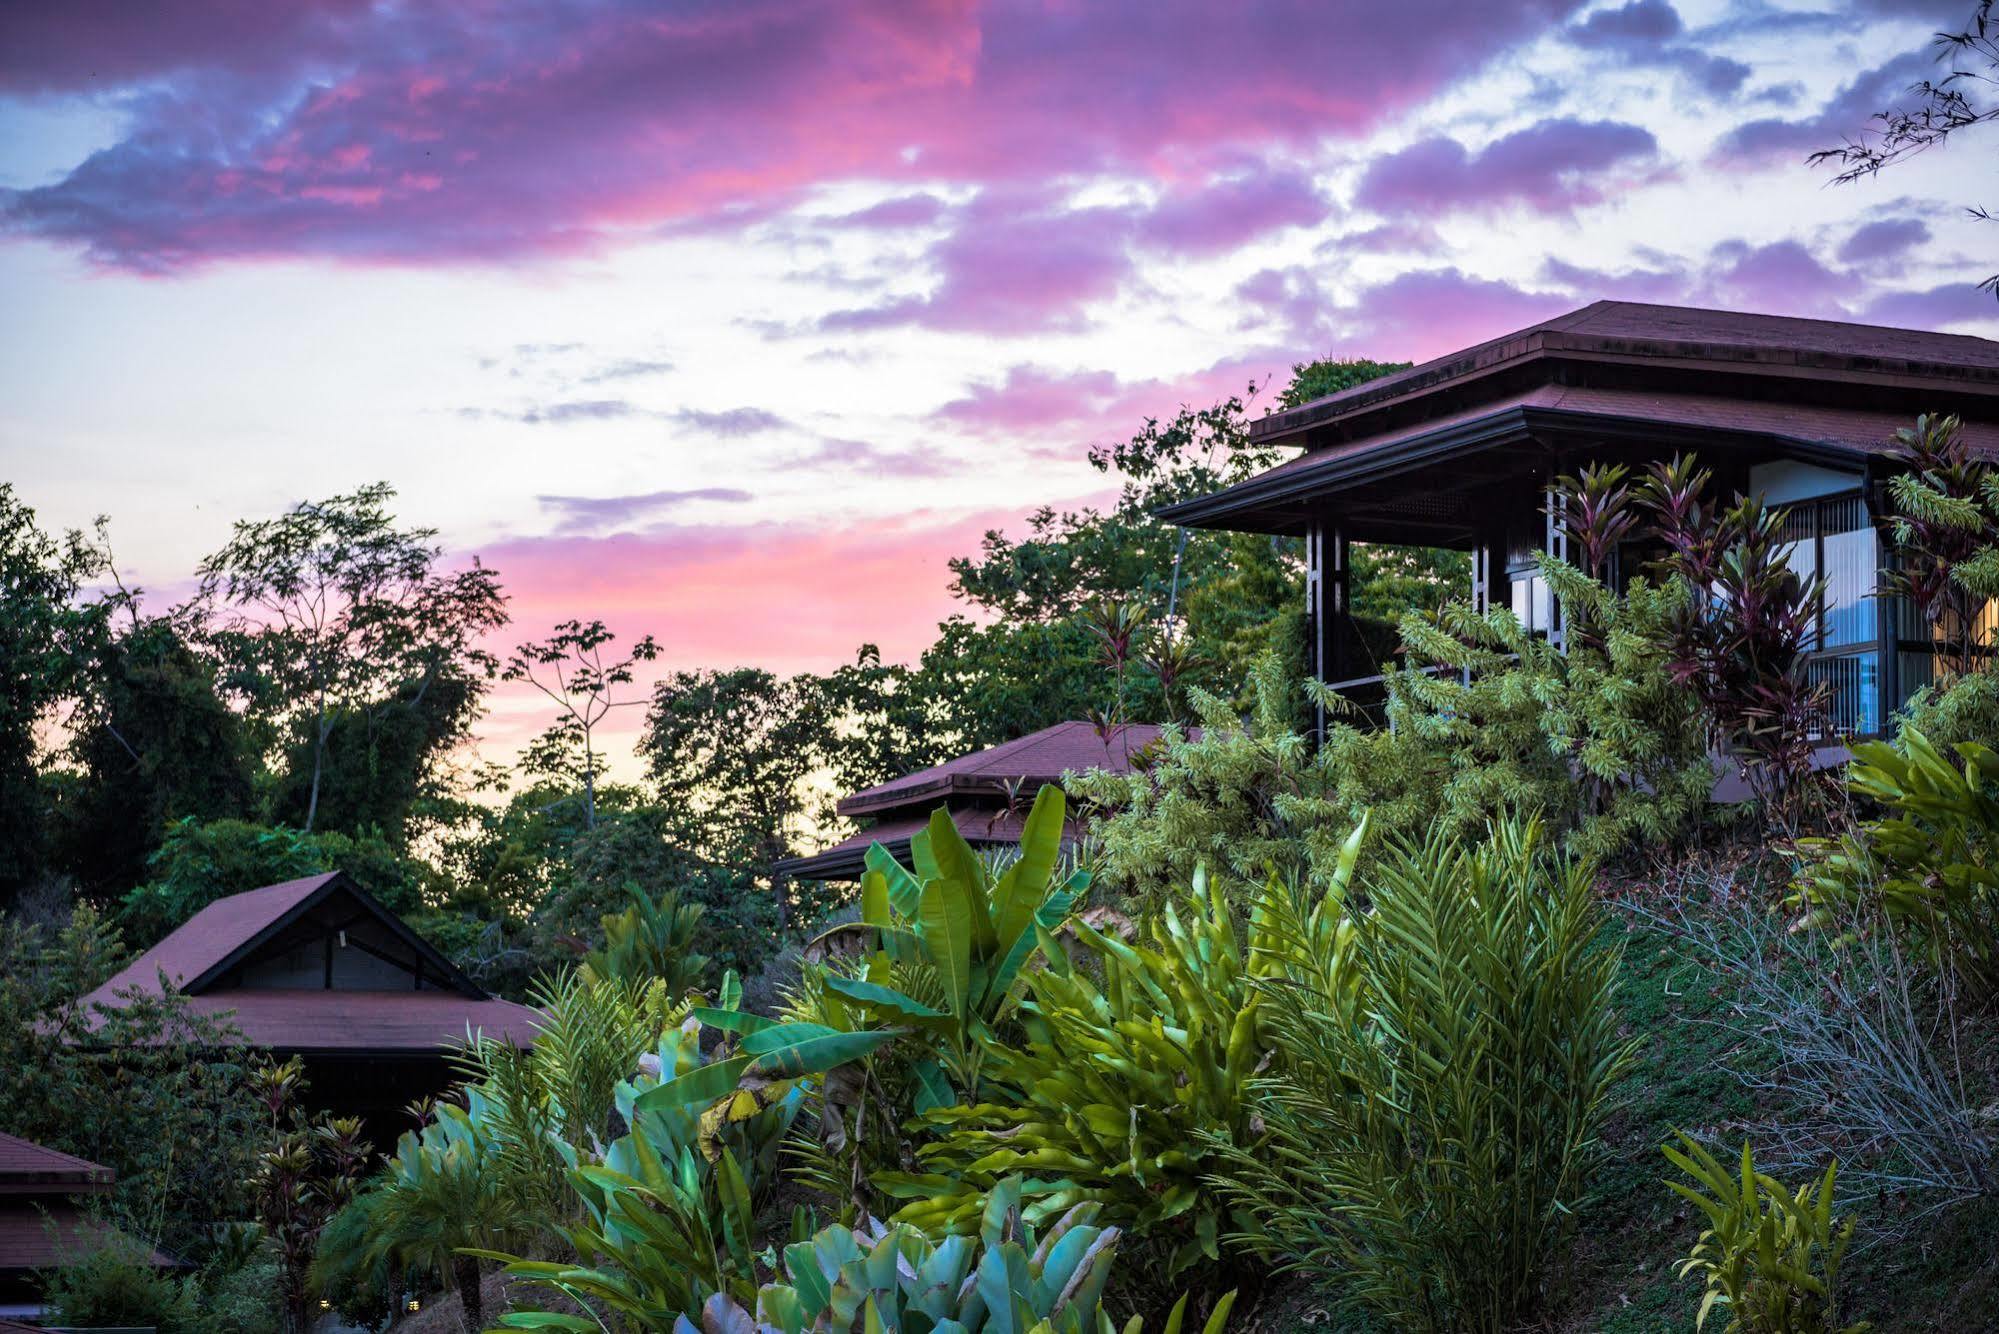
(199, 862)
(1242, 797)
(117, 1286)
(1769, 1254)
(1945, 528)
(1488, 719)
(953, 931)
(1430, 1134)
(660, 1218)
(650, 940)
(1743, 629)
(895, 1278)
(1136, 1074)
(1929, 865)
(155, 1090)
(310, 1172)
(1958, 708)
(940, 950)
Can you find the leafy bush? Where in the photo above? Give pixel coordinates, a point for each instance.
(651, 940)
(116, 1286)
(1595, 735)
(1770, 1255)
(1930, 865)
(199, 863)
(1242, 797)
(1431, 1133)
(155, 1090)
(1960, 708)
(1127, 1089)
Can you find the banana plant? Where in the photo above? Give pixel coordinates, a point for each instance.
(951, 940)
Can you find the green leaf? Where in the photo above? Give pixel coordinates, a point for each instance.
(820, 1054)
(885, 998)
(903, 888)
(700, 1086)
(946, 917)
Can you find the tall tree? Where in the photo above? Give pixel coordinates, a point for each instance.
(1958, 99)
(342, 620)
(731, 754)
(570, 668)
(41, 624)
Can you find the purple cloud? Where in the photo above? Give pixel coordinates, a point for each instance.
(865, 457)
(731, 424)
(1638, 24)
(1849, 113)
(1551, 167)
(595, 513)
(1222, 215)
(1887, 239)
(488, 130)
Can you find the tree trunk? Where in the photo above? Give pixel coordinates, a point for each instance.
(589, 787)
(465, 1275)
(320, 728)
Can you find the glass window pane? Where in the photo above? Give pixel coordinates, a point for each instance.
(1851, 562)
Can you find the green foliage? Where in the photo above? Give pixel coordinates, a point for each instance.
(1312, 380)
(1136, 1074)
(1956, 709)
(1489, 720)
(309, 1171)
(344, 623)
(878, 1277)
(1769, 1254)
(1929, 865)
(952, 931)
(1945, 529)
(666, 1210)
(118, 1287)
(154, 743)
(650, 940)
(199, 863)
(731, 755)
(39, 627)
(1434, 1108)
(154, 1090)
(1243, 797)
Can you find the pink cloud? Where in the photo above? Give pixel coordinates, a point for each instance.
(506, 129)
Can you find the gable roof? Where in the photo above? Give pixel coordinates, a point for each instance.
(1682, 338)
(847, 859)
(195, 955)
(1034, 760)
(27, 1168)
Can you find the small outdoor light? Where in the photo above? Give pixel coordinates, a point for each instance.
(414, 1305)
(325, 1305)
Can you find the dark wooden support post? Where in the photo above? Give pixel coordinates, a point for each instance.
(1556, 543)
(1328, 619)
(328, 940)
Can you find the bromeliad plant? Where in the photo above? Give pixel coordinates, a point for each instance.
(894, 1278)
(1138, 1063)
(1769, 1254)
(1929, 865)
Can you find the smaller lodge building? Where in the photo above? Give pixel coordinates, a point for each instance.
(45, 1222)
(987, 792)
(318, 969)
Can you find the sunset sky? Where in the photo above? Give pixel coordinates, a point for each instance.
(730, 322)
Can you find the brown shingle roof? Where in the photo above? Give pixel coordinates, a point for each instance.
(212, 935)
(1037, 758)
(196, 957)
(845, 860)
(1685, 337)
(319, 1020)
(56, 1233)
(29, 1168)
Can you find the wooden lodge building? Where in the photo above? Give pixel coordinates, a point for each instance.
(1460, 452)
(988, 793)
(318, 969)
(45, 1221)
